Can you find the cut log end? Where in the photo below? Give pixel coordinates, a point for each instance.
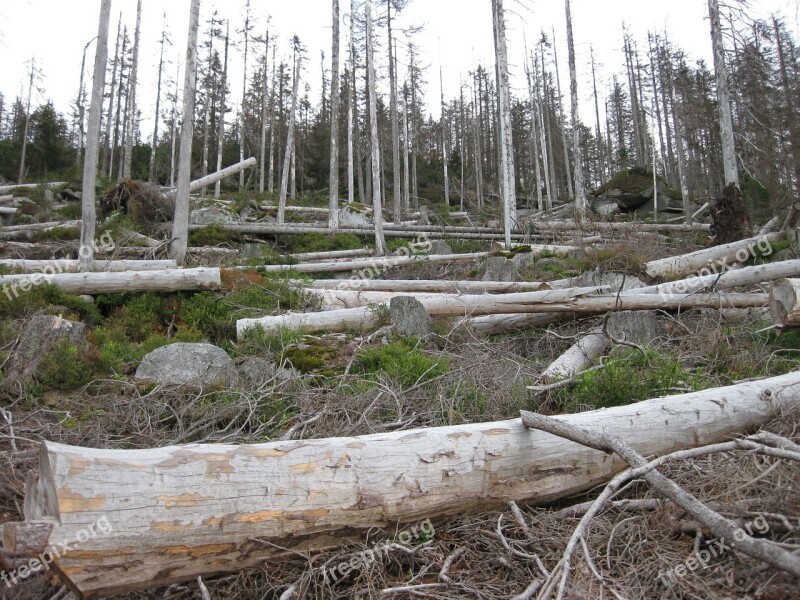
(784, 303)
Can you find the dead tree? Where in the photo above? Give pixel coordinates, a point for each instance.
(88, 217)
(81, 105)
(110, 113)
(580, 191)
(246, 31)
(131, 104)
(333, 181)
(180, 221)
(287, 156)
(21, 178)
(221, 130)
(723, 97)
(151, 172)
(380, 243)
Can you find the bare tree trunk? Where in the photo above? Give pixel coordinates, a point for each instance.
(21, 178)
(86, 252)
(380, 243)
(287, 157)
(580, 189)
(678, 124)
(637, 133)
(478, 149)
(263, 153)
(599, 138)
(534, 135)
(445, 138)
(82, 106)
(221, 124)
(120, 114)
(151, 174)
(506, 140)
(351, 109)
(180, 222)
(563, 120)
(271, 182)
(333, 182)
(246, 32)
(794, 131)
(723, 97)
(406, 151)
(544, 128)
(656, 104)
(552, 192)
(110, 113)
(173, 129)
(397, 199)
(126, 166)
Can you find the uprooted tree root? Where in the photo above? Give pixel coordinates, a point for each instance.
(144, 202)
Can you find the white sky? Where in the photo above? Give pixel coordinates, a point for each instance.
(55, 32)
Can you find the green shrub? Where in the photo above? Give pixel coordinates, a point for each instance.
(145, 314)
(401, 361)
(38, 298)
(320, 242)
(211, 235)
(57, 234)
(66, 367)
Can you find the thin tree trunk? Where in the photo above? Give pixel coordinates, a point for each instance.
(110, 113)
(221, 118)
(723, 97)
(180, 222)
(397, 200)
(506, 139)
(380, 243)
(656, 103)
(406, 150)
(126, 167)
(637, 133)
(288, 155)
(678, 124)
(333, 182)
(580, 189)
(444, 122)
(21, 178)
(563, 121)
(263, 153)
(271, 181)
(599, 138)
(82, 106)
(173, 128)
(794, 132)
(534, 135)
(88, 218)
(544, 126)
(550, 162)
(351, 109)
(244, 93)
(151, 175)
(119, 114)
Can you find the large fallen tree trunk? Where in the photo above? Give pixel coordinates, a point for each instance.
(29, 186)
(213, 178)
(492, 324)
(173, 280)
(423, 285)
(568, 301)
(71, 266)
(378, 263)
(137, 519)
(784, 303)
(331, 254)
(716, 259)
(605, 226)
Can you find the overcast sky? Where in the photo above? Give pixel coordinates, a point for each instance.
(460, 31)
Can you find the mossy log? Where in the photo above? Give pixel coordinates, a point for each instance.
(138, 519)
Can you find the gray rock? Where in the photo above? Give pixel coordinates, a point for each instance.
(39, 337)
(409, 317)
(440, 247)
(613, 280)
(607, 210)
(49, 196)
(499, 268)
(87, 298)
(181, 363)
(255, 371)
(351, 217)
(212, 215)
(638, 326)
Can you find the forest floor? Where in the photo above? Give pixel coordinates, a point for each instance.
(355, 384)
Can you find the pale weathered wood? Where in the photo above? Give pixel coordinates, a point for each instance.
(30, 186)
(577, 357)
(73, 266)
(784, 303)
(213, 178)
(174, 280)
(424, 285)
(716, 257)
(332, 254)
(378, 263)
(174, 513)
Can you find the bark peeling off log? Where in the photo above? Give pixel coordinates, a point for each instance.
(178, 512)
(784, 303)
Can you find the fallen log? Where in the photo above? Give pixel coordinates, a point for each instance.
(492, 324)
(40, 226)
(29, 186)
(378, 263)
(714, 259)
(568, 301)
(172, 280)
(199, 184)
(38, 251)
(578, 357)
(72, 266)
(424, 285)
(329, 255)
(8, 210)
(166, 515)
(784, 303)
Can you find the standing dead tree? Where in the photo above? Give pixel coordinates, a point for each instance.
(380, 243)
(333, 181)
(125, 173)
(86, 255)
